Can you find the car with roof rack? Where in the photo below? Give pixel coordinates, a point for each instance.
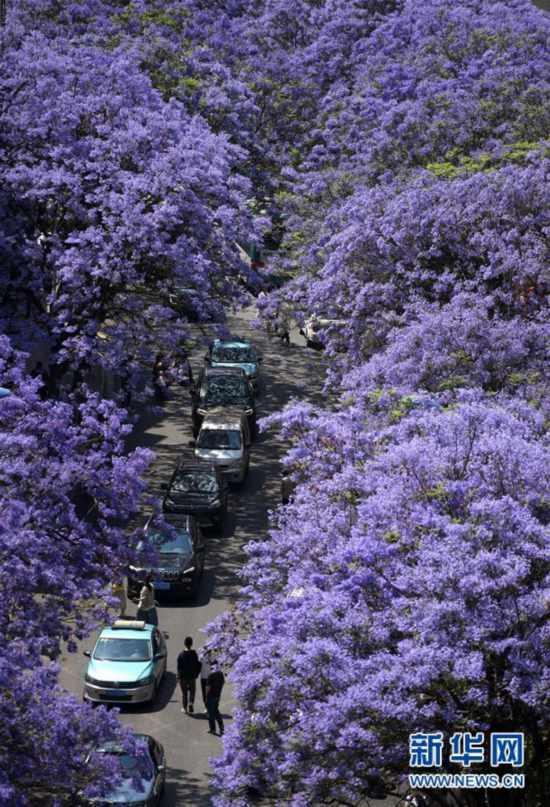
(127, 664)
(198, 489)
(236, 353)
(222, 387)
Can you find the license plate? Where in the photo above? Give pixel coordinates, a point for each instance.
(162, 585)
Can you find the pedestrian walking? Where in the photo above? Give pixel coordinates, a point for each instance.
(146, 605)
(185, 371)
(205, 672)
(214, 686)
(119, 591)
(160, 379)
(189, 668)
(283, 330)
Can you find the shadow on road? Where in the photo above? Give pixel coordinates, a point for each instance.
(183, 788)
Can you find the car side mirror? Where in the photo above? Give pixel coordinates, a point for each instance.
(207, 358)
(192, 443)
(159, 656)
(163, 485)
(88, 653)
(260, 359)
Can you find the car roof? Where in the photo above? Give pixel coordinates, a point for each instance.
(111, 632)
(209, 371)
(186, 466)
(228, 419)
(231, 343)
(114, 746)
(175, 520)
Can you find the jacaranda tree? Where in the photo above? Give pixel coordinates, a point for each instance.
(405, 589)
(67, 491)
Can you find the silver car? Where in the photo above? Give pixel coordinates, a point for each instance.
(224, 440)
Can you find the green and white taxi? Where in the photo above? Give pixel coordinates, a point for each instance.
(127, 664)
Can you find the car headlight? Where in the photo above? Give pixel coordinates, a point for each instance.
(249, 411)
(215, 503)
(145, 682)
(201, 412)
(190, 570)
(136, 570)
(88, 679)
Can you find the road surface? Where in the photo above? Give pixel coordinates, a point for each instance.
(293, 371)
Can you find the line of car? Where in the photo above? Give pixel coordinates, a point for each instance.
(129, 659)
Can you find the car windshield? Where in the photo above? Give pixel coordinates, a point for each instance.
(195, 483)
(235, 355)
(174, 540)
(138, 766)
(224, 390)
(115, 649)
(220, 438)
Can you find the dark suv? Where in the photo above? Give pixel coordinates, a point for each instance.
(180, 547)
(198, 489)
(221, 387)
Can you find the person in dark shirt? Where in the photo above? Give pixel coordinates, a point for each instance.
(189, 668)
(214, 686)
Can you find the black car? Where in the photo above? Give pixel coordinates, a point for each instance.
(146, 764)
(181, 551)
(199, 489)
(220, 387)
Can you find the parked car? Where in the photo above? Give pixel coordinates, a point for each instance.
(147, 763)
(222, 386)
(224, 440)
(127, 664)
(314, 328)
(198, 489)
(181, 551)
(236, 353)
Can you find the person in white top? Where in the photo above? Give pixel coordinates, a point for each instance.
(146, 605)
(205, 671)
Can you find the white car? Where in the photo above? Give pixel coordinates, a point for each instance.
(224, 440)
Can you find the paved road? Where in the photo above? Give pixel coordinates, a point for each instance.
(288, 372)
